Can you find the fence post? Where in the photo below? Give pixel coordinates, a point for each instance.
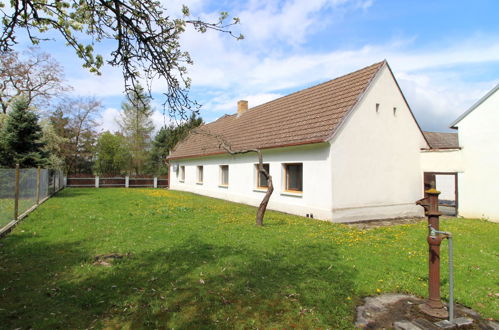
(127, 181)
(65, 181)
(53, 182)
(96, 181)
(155, 182)
(38, 185)
(16, 201)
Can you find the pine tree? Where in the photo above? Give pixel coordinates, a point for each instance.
(20, 138)
(137, 126)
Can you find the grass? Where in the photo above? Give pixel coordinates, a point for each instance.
(7, 208)
(198, 262)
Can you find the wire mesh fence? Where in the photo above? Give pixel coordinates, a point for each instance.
(21, 190)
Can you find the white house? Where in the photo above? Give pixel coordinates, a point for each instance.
(345, 150)
(476, 161)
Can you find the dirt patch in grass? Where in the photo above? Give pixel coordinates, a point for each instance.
(107, 260)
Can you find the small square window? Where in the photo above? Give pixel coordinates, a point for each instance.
(293, 177)
(200, 174)
(224, 175)
(261, 180)
(182, 174)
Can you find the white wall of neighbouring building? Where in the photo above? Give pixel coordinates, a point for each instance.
(376, 169)
(442, 160)
(479, 140)
(242, 188)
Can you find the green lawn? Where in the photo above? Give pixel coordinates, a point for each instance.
(201, 262)
(7, 208)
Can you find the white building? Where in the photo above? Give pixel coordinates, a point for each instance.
(345, 150)
(475, 161)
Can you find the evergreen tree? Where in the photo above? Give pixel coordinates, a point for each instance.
(166, 139)
(54, 145)
(137, 126)
(20, 138)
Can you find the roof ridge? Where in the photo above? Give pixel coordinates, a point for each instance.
(309, 115)
(317, 85)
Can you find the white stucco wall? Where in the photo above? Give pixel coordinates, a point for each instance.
(446, 184)
(376, 169)
(479, 182)
(316, 196)
(442, 160)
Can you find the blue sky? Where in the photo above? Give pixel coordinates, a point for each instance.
(444, 54)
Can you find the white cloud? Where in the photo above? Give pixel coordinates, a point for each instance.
(110, 116)
(108, 120)
(273, 59)
(229, 104)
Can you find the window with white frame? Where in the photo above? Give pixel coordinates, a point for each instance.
(182, 174)
(224, 175)
(293, 177)
(200, 174)
(261, 180)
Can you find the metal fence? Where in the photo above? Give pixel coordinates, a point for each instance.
(91, 181)
(22, 190)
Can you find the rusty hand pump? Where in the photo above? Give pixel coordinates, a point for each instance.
(433, 305)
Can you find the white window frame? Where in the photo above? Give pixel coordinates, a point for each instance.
(220, 180)
(182, 173)
(200, 174)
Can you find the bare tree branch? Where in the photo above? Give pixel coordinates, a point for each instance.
(147, 39)
(226, 146)
(38, 77)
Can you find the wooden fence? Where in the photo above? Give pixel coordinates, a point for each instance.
(91, 181)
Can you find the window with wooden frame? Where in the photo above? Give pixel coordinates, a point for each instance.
(261, 180)
(293, 177)
(200, 175)
(182, 174)
(224, 175)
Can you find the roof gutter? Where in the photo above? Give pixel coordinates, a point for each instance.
(265, 148)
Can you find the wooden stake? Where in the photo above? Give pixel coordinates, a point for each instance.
(16, 202)
(38, 185)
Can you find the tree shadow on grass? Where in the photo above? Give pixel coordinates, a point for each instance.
(195, 284)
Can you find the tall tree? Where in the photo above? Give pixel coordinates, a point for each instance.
(54, 145)
(20, 137)
(146, 39)
(136, 125)
(112, 154)
(166, 139)
(34, 74)
(76, 120)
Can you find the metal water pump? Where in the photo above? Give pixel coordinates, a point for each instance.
(433, 305)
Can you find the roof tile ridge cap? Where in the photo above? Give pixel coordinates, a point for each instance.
(380, 64)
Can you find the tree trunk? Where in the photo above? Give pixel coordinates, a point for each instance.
(263, 205)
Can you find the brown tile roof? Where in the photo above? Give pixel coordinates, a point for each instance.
(438, 140)
(308, 116)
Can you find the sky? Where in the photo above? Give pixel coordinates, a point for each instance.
(444, 54)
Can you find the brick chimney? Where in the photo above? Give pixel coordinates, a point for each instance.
(242, 106)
